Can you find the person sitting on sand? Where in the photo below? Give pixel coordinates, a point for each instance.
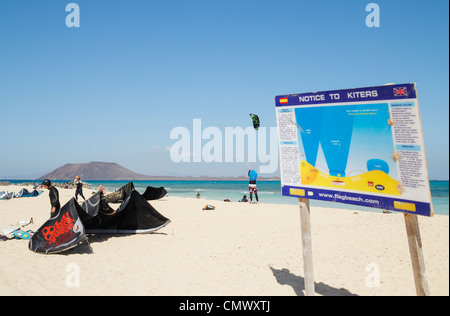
(244, 199)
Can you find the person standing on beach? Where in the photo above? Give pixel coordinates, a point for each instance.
(252, 175)
(79, 188)
(54, 197)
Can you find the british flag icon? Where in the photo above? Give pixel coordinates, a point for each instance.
(400, 92)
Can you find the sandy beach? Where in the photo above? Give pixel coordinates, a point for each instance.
(237, 249)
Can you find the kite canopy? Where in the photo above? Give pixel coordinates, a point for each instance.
(69, 227)
(5, 195)
(151, 193)
(255, 120)
(26, 193)
(60, 233)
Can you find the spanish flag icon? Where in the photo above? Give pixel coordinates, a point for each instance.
(284, 101)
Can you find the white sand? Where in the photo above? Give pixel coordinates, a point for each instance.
(237, 249)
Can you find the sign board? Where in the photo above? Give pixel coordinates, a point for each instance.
(359, 146)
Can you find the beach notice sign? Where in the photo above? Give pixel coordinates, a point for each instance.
(359, 146)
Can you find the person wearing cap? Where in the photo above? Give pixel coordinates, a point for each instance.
(54, 197)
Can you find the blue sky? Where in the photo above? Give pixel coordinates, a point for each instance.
(114, 88)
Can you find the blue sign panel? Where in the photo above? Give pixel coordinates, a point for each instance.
(359, 146)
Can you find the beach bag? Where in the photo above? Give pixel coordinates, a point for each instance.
(20, 234)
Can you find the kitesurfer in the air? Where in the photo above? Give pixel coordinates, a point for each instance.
(252, 175)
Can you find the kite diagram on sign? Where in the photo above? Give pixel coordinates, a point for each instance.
(359, 146)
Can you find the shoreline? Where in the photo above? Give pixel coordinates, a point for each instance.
(162, 179)
(199, 179)
(238, 249)
(440, 205)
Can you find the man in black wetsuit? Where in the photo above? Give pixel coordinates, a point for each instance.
(54, 197)
(79, 188)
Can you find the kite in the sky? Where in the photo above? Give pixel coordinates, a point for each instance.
(255, 120)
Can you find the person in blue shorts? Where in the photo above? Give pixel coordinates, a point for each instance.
(252, 176)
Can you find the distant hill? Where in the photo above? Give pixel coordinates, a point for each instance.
(114, 171)
(94, 171)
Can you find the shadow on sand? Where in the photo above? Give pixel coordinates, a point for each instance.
(285, 277)
(85, 246)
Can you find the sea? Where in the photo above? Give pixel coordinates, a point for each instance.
(268, 192)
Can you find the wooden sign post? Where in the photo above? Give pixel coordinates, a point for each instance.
(415, 250)
(414, 241)
(305, 219)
